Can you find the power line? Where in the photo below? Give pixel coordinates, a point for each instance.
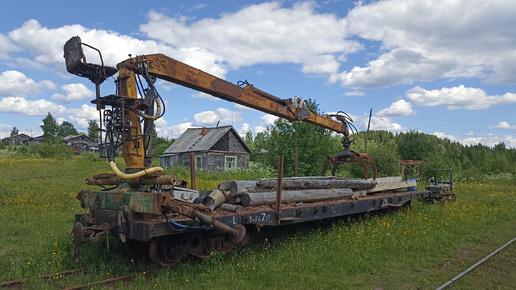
(424, 125)
(428, 125)
(445, 120)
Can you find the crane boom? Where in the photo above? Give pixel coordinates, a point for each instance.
(169, 69)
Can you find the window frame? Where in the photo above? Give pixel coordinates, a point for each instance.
(198, 162)
(226, 159)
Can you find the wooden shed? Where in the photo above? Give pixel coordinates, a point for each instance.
(38, 140)
(413, 163)
(219, 148)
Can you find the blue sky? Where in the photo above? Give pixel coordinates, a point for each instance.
(441, 67)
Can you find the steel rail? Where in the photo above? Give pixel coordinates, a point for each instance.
(19, 282)
(452, 280)
(113, 281)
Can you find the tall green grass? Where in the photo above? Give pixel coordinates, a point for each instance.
(210, 180)
(421, 247)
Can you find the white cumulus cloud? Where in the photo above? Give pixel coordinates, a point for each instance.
(22, 106)
(503, 125)
(489, 140)
(6, 46)
(46, 44)
(243, 129)
(5, 130)
(74, 92)
(399, 66)
(266, 32)
(210, 118)
(354, 93)
(259, 129)
(382, 123)
(82, 115)
(269, 119)
(176, 130)
(473, 38)
(397, 109)
(14, 83)
(202, 95)
(458, 98)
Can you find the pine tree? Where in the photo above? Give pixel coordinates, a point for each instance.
(50, 128)
(93, 129)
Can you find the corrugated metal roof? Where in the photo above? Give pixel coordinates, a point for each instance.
(192, 140)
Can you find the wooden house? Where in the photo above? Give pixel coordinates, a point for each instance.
(219, 148)
(83, 142)
(20, 139)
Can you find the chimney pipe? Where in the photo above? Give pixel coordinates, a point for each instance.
(204, 131)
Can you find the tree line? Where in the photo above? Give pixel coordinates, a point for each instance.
(314, 144)
(386, 149)
(54, 132)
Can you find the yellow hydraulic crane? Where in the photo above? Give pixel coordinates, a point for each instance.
(123, 127)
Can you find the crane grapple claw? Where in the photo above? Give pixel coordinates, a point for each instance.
(350, 157)
(76, 62)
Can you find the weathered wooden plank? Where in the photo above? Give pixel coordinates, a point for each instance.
(306, 195)
(388, 179)
(386, 186)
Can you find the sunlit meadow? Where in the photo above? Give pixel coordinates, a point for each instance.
(420, 247)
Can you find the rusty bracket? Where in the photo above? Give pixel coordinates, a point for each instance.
(94, 232)
(237, 233)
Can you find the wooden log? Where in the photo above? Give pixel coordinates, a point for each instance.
(307, 195)
(313, 183)
(239, 187)
(225, 185)
(235, 199)
(231, 207)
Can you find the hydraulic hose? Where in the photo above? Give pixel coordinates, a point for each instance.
(138, 174)
(156, 116)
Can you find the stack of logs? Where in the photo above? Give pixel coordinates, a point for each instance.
(294, 189)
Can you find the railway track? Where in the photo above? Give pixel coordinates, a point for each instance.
(114, 281)
(18, 284)
(126, 279)
(465, 272)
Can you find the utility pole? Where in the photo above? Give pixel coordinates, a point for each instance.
(368, 125)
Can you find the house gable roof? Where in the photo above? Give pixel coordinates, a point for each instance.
(38, 138)
(193, 141)
(84, 138)
(18, 137)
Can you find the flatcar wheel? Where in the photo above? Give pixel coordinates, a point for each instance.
(158, 253)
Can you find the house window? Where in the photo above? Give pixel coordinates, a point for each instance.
(230, 163)
(198, 162)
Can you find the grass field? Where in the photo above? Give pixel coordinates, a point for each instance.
(421, 247)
